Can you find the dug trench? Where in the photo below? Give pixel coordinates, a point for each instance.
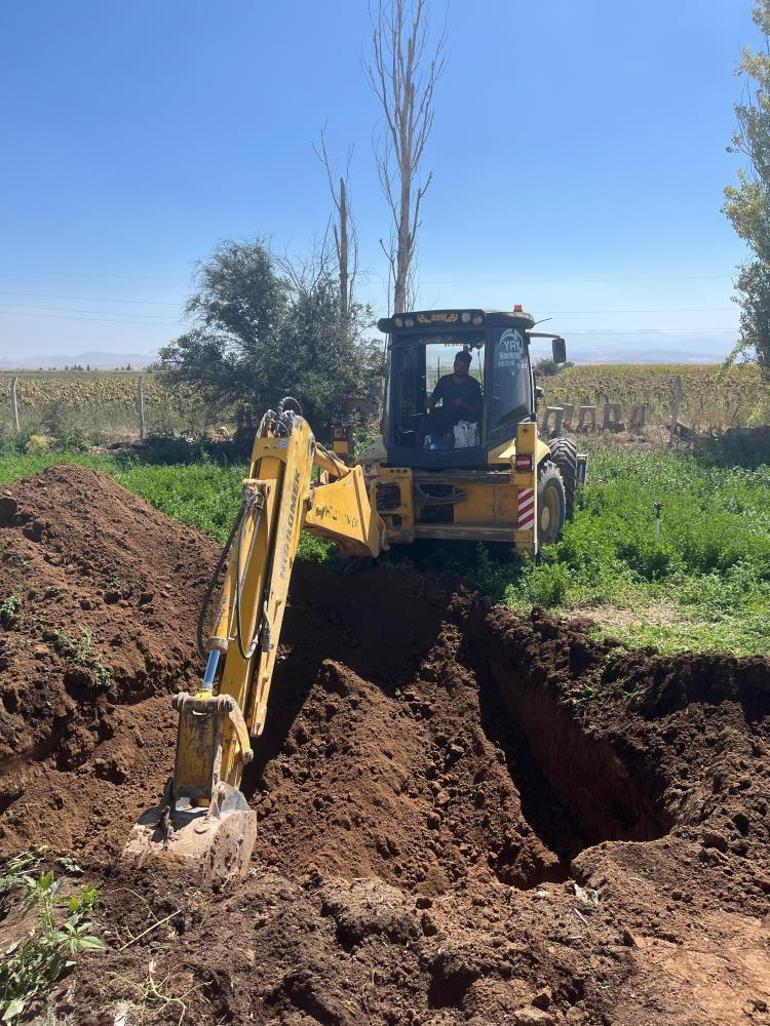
(464, 815)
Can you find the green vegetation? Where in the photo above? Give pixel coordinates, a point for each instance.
(747, 204)
(75, 409)
(704, 584)
(80, 651)
(9, 610)
(60, 928)
(259, 324)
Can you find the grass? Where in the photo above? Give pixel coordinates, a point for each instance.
(704, 584)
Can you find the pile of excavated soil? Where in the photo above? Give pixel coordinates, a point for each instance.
(464, 816)
(108, 592)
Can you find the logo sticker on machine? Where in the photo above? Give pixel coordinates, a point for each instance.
(511, 351)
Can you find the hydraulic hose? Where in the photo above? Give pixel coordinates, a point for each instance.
(270, 421)
(259, 506)
(236, 529)
(214, 578)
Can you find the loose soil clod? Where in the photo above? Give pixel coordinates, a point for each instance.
(464, 816)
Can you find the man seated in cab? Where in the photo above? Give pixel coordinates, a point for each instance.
(460, 397)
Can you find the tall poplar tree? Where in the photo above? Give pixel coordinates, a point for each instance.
(747, 204)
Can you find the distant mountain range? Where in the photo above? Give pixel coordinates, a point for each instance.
(644, 347)
(582, 347)
(94, 360)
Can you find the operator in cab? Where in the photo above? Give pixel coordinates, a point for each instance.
(459, 395)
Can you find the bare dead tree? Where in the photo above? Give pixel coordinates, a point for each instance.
(405, 66)
(344, 228)
(307, 273)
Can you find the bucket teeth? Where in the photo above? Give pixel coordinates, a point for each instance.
(214, 843)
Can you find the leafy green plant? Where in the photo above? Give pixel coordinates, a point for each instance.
(61, 928)
(548, 584)
(72, 439)
(80, 651)
(9, 610)
(37, 445)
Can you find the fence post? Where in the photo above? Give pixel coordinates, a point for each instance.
(15, 406)
(611, 419)
(558, 415)
(140, 407)
(639, 416)
(676, 406)
(586, 413)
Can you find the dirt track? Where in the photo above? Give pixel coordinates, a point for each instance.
(465, 817)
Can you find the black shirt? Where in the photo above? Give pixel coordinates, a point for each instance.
(467, 390)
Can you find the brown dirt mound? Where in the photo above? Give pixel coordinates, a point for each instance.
(109, 591)
(465, 816)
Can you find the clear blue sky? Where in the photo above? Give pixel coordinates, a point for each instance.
(578, 157)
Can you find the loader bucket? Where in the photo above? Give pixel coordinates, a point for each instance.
(214, 843)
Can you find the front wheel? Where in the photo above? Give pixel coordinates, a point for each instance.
(551, 504)
(564, 456)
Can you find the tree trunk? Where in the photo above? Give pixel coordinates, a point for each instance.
(343, 253)
(140, 408)
(15, 406)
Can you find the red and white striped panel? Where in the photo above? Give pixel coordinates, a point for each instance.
(526, 508)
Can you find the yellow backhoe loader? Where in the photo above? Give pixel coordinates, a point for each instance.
(459, 458)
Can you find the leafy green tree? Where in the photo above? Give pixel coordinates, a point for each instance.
(747, 204)
(263, 329)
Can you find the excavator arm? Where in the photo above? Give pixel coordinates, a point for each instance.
(293, 484)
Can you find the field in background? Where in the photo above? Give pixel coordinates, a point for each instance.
(713, 397)
(704, 584)
(102, 405)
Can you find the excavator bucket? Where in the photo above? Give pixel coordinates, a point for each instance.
(202, 823)
(215, 842)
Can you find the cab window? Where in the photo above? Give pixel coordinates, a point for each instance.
(511, 398)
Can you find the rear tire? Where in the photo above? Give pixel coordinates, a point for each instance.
(564, 456)
(551, 504)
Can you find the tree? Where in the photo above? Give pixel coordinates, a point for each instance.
(344, 230)
(405, 66)
(264, 328)
(747, 204)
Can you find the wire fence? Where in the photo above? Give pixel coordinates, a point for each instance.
(102, 407)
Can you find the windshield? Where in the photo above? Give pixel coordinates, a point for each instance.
(460, 389)
(437, 390)
(511, 398)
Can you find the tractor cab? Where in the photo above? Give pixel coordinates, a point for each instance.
(437, 418)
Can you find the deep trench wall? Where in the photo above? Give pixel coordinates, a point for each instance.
(611, 791)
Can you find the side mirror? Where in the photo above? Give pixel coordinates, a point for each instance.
(559, 347)
(539, 393)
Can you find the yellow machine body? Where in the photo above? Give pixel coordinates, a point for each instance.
(485, 503)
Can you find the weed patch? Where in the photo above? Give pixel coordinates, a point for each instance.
(60, 928)
(80, 650)
(9, 610)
